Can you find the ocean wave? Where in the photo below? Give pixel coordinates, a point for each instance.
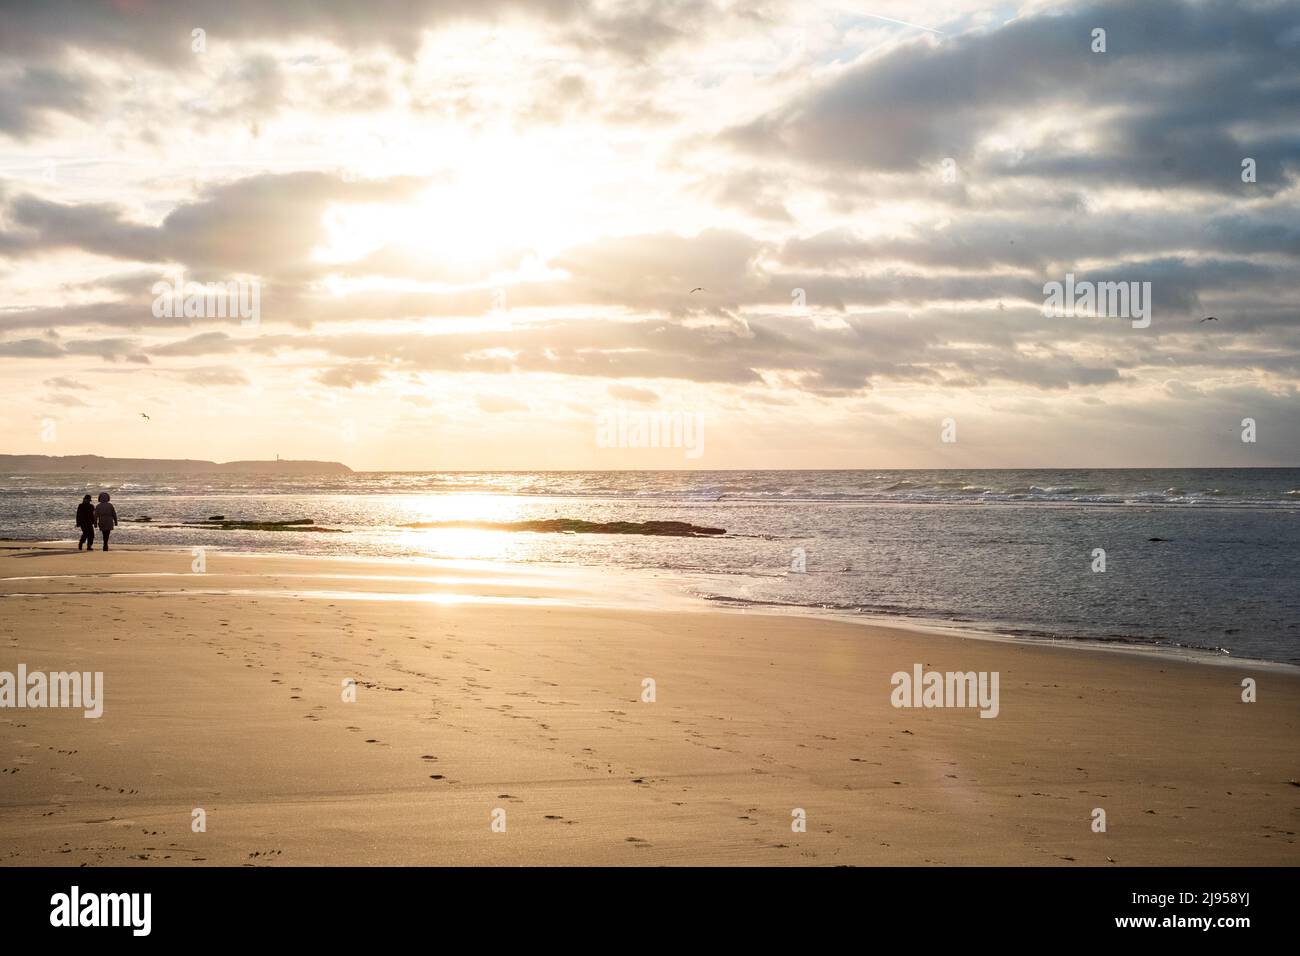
(922, 617)
(1172, 487)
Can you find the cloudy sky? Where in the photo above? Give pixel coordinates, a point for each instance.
(474, 227)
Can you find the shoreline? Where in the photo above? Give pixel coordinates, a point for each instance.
(678, 599)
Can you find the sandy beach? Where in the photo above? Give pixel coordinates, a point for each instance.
(480, 690)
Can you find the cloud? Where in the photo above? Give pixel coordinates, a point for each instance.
(162, 32)
(351, 375)
(62, 382)
(1151, 108)
(30, 348)
(630, 393)
(499, 403)
(751, 151)
(69, 401)
(205, 343)
(756, 192)
(29, 96)
(816, 360)
(214, 376)
(110, 350)
(661, 269)
(249, 91)
(261, 225)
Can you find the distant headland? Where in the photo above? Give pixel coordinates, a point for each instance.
(94, 464)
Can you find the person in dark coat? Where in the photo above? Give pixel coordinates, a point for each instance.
(86, 522)
(106, 516)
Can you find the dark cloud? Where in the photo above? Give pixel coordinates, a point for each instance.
(28, 97)
(161, 31)
(1166, 104)
(30, 348)
(979, 240)
(636, 29)
(262, 225)
(111, 350)
(119, 313)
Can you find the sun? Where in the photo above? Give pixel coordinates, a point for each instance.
(503, 201)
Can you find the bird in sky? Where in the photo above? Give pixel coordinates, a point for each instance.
(698, 288)
(145, 417)
(1210, 318)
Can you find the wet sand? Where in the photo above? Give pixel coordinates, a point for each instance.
(488, 694)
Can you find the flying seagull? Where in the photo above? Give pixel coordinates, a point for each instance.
(1210, 318)
(145, 417)
(698, 288)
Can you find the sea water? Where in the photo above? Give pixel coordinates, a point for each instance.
(1189, 558)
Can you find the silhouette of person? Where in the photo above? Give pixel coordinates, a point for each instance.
(86, 522)
(106, 515)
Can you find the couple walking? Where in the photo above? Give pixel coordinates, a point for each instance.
(88, 516)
